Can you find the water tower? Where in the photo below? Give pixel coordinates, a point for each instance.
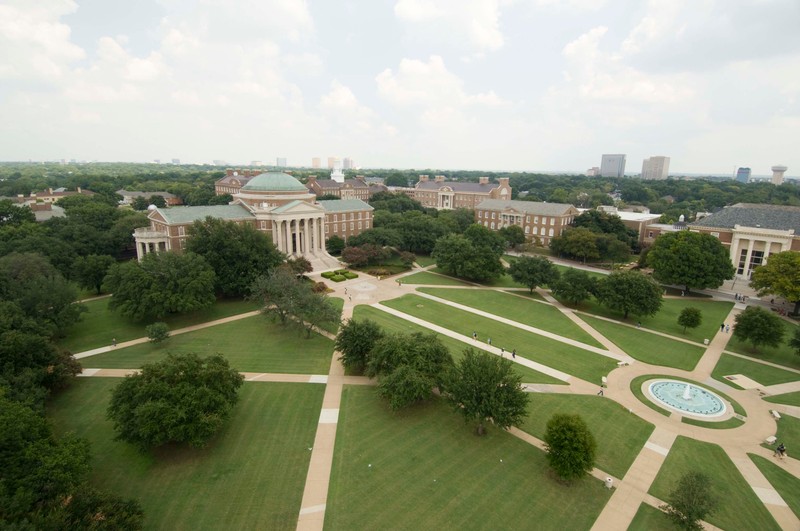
(777, 174)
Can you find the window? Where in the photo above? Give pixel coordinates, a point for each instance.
(552, 221)
(183, 243)
(263, 225)
(366, 224)
(352, 216)
(359, 215)
(536, 219)
(359, 225)
(536, 230)
(344, 227)
(650, 234)
(326, 228)
(493, 224)
(528, 219)
(493, 218)
(352, 226)
(551, 233)
(715, 234)
(335, 218)
(181, 231)
(334, 227)
(527, 230)
(480, 214)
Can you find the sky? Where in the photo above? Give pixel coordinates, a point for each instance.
(516, 85)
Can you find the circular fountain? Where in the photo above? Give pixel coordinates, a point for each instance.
(686, 398)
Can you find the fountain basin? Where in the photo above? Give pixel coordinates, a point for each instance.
(687, 398)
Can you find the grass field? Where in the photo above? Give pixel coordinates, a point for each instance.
(648, 518)
(739, 507)
(425, 260)
(566, 358)
(593, 274)
(427, 278)
(424, 468)
(790, 399)
(250, 476)
(619, 435)
(543, 316)
(253, 344)
(99, 325)
(789, 432)
(763, 374)
(786, 484)
(394, 324)
(647, 347)
(782, 355)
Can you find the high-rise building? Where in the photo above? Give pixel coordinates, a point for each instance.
(594, 171)
(655, 168)
(777, 174)
(176, 161)
(612, 166)
(348, 163)
(316, 162)
(281, 162)
(332, 162)
(743, 175)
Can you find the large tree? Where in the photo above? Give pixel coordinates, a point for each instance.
(571, 447)
(238, 253)
(460, 256)
(533, 271)
(485, 388)
(779, 276)
(513, 235)
(577, 242)
(161, 284)
(355, 341)
(690, 317)
(279, 292)
(690, 259)
(629, 292)
(758, 327)
(574, 286)
(11, 214)
(691, 501)
(89, 271)
(183, 399)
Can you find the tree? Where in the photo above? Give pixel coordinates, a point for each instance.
(570, 446)
(513, 235)
(334, 244)
(690, 259)
(424, 361)
(157, 332)
(89, 271)
(183, 399)
(691, 501)
(139, 203)
(533, 271)
(759, 327)
(779, 276)
(355, 342)
(279, 292)
(690, 318)
(238, 253)
(158, 200)
(612, 249)
(300, 265)
(630, 292)
(459, 256)
(578, 242)
(161, 284)
(315, 310)
(486, 388)
(11, 214)
(574, 286)
(396, 179)
(794, 342)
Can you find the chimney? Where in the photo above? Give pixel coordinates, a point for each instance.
(312, 180)
(79, 190)
(439, 179)
(503, 181)
(483, 180)
(423, 178)
(49, 191)
(229, 172)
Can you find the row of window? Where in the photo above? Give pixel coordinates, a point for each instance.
(344, 216)
(509, 218)
(545, 232)
(344, 226)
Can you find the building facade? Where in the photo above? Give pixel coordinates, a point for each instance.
(234, 180)
(612, 166)
(655, 168)
(349, 189)
(539, 221)
(449, 195)
(129, 197)
(743, 175)
(274, 203)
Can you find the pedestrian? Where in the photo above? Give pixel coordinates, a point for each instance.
(638, 324)
(113, 341)
(514, 353)
(600, 392)
(474, 336)
(780, 451)
(722, 327)
(489, 341)
(727, 328)
(682, 293)
(345, 291)
(350, 298)
(502, 351)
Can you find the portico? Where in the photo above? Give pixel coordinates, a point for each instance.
(752, 246)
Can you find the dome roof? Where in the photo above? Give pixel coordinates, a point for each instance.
(274, 181)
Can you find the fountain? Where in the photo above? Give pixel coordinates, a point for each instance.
(682, 397)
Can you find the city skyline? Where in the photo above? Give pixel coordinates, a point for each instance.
(538, 85)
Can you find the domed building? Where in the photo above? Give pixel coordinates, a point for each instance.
(272, 202)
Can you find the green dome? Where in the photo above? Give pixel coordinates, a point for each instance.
(274, 181)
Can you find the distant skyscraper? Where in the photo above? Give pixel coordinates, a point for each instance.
(655, 168)
(176, 161)
(316, 162)
(347, 163)
(612, 166)
(594, 171)
(334, 162)
(777, 174)
(281, 162)
(743, 175)
(256, 163)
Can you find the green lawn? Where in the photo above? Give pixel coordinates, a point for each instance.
(636, 389)
(789, 433)
(739, 507)
(647, 347)
(648, 518)
(572, 360)
(338, 303)
(395, 324)
(786, 484)
(253, 344)
(522, 310)
(619, 434)
(790, 399)
(593, 274)
(430, 279)
(250, 476)
(424, 468)
(666, 320)
(99, 325)
(425, 260)
(763, 374)
(782, 355)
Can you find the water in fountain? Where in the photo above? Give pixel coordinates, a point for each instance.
(687, 393)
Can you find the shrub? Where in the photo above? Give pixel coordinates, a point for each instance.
(157, 332)
(328, 274)
(319, 287)
(350, 275)
(341, 271)
(338, 278)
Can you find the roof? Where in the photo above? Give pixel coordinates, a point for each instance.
(335, 185)
(457, 186)
(237, 177)
(190, 214)
(344, 205)
(529, 207)
(775, 217)
(126, 193)
(274, 181)
(292, 204)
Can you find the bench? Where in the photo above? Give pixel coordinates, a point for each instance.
(775, 414)
(622, 364)
(771, 439)
(604, 381)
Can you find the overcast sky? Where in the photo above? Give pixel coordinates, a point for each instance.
(470, 84)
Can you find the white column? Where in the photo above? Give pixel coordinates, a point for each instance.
(747, 259)
(306, 236)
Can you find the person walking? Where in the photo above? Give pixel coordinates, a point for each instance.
(514, 353)
(600, 392)
(727, 328)
(722, 327)
(113, 341)
(474, 336)
(780, 451)
(502, 351)
(489, 341)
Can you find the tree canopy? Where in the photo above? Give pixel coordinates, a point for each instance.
(355, 341)
(690, 259)
(183, 399)
(574, 286)
(89, 271)
(691, 501)
(475, 255)
(571, 447)
(690, 317)
(759, 327)
(533, 271)
(629, 292)
(779, 276)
